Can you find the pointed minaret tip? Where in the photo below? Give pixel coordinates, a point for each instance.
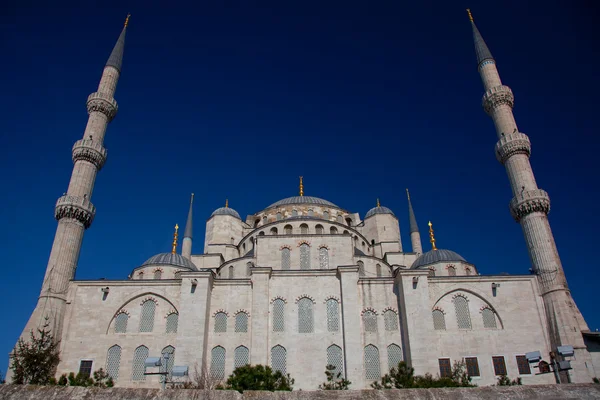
(470, 15)
(411, 215)
(127, 21)
(481, 50)
(116, 56)
(189, 223)
(431, 236)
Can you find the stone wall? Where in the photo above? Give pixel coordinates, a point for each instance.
(546, 392)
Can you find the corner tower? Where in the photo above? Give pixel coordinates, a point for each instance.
(74, 211)
(530, 207)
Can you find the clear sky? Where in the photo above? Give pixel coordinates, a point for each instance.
(237, 99)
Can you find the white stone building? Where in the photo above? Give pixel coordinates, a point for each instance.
(305, 283)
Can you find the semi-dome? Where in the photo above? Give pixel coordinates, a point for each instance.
(226, 211)
(434, 256)
(174, 260)
(378, 210)
(303, 200)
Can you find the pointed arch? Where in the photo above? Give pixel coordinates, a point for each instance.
(138, 368)
(372, 368)
(147, 315)
(217, 363)
(241, 356)
(394, 353)
(335, 357)
(113, 361)
(279, 359)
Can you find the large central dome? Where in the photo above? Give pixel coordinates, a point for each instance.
(303, 200)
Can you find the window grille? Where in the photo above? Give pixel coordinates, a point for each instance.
(147, 316)
(445, 368)
(231, 272)
(279, 216)
(325, 214)
(158, 274)
(378, 270)
(391, 320)
(472, 366)
(294, 213)
(141, 275)
(167, 363)
(217, 363)
(172, 322)
(489, 318)
(310, 213)
(304, 256)
(278, 315)
(121, 322)
(370, 321)
(463, 317)
(178, 274)
(278, 359)
(394, 356)
(323, 258)
(138, 369)
(304, 229)
(451, 271)
(113, 361)
(319, 229)
(85, 367)
(305, 315)
(241, 322)
(241, 356)
(333, 315)
(372, 370)
(361, 268)
(499, 365)
(221, 322)
(523, 364)
(288, 229)
(285, 258)
(333, 230)
(439, 320)
(335, 358)
(431, 272)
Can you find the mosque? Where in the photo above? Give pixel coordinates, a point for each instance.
(305, 282)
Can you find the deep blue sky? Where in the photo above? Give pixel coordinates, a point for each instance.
(236, 99)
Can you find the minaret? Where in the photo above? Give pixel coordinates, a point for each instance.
(415, 236)
(186, 247)
(530, 207)
(74, 211)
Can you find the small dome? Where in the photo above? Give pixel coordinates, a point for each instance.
(303, 200)
(175, 260)
(226, 211)
(379, 210)
(434, 256)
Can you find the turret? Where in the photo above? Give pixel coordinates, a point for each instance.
(382, 228)
(224, 230)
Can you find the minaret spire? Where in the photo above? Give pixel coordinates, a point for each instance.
(175, 236)
(186, 247)
(301, 187)
(431, 236)
(530, 207)
(415, 236)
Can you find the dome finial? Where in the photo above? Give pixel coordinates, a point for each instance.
(127, 20)
(431, 237)
(226, 203)
(301, 187)
(174, 250)
(470, 15)
(378, 204)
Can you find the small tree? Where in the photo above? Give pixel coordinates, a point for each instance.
(35, 361)
(258, 377)
(334, 381)
(102, 379)
(403, 377)
(504, 380)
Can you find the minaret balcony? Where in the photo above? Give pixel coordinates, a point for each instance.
(75, 207)
(511, 144)
(104, 103)
(529, 201)
(89, 150)
(497, 96)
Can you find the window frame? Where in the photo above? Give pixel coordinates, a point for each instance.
(442, 369)
(526, 362)
(503, 362)
(478, 376)
(91, 361)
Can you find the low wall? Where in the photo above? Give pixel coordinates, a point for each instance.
(546, 392)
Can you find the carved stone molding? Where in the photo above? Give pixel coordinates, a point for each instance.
(511, 144)
(101, 102)
(497, 96)
(91, 151)
(78, 208)
(528, 202)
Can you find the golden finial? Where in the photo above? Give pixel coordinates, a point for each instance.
(431, 237)
(378, 204)
(301, 187)
(226, 203)
(127, 20)
(174, 250)
(470, 15)
(407, 194)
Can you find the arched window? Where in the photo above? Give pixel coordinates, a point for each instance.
(172, 322)
(333, 315)
(241, 322)
(303, 229)
(361, 268)
(113, 361)
(468, 271)
(370, 321)
(335, 358)
(363, 245)
(294, 213)
(325, 214)
(273, 231)
(394, 355)
(231, 272)
(241, 356)
(349, 221)
(391, 320)
(463, 316)
(333, 230)
(147, 316)
(451, 271)
(346, 232)
(323, 258)
(372, 370)
(305, 315)
(139, 357)
(489, 318)
(220, 322)
(167, 361)
(378, 270)
(121, 322)
(261, 233)
(285, 258)
(439, 321)
(319, 229)
(311, 213)
(279, 217)
(157, 274)
(141, 275)
(431, 272)
(340, 219)
(304, 256)
(278, 315)
(264, 219)
(278, 359)
(217, 363)
(288, 229)
(256, 222)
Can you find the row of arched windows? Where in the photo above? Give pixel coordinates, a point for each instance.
(372, 364)
(451, 271)
(286, 257)
(147, 314)
(309, 213)
(304, 230)
(379, 271)
(241, 322)
(231, 270)
(463, 316)
(241, 357)
(113, 362)
(390, 318)
(306, 315)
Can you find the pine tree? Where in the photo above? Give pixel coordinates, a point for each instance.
(334, 381)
